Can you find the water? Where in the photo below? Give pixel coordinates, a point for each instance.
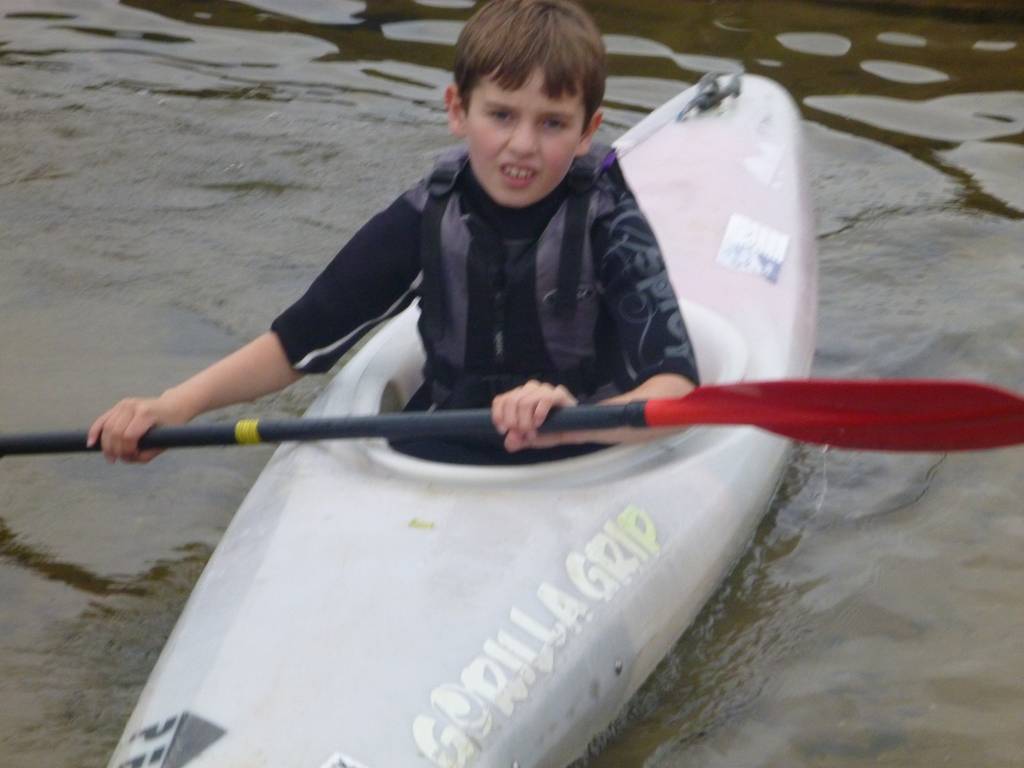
(172, 174)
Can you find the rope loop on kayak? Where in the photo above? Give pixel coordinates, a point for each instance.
(711, 93)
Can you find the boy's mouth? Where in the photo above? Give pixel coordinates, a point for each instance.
(517, 173)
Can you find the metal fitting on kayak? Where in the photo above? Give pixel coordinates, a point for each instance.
(710, 93)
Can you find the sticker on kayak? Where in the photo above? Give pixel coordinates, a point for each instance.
(751, 247)
(170, 743)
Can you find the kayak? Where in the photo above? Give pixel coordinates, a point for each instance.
(368, 609)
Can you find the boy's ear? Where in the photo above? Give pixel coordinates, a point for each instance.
(588, 133)
(456, 110)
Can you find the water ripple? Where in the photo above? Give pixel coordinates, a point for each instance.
(956, 118)
(644, 92)
(815, 43)
(423, 31)
(898, 72)
(997, 167)
(630, 45)
(314, 11)
(994, 45)
(445, 3)
(902, 39)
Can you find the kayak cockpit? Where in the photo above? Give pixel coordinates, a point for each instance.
(388, 370)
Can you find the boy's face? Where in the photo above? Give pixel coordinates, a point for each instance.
(521, 142)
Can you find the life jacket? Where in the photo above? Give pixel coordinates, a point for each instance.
(496, 313)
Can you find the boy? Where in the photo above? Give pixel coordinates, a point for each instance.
(540, 282)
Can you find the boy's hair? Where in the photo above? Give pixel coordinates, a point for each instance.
(508, 40)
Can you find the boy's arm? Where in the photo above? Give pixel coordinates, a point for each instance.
(258, 368)
(369, 280)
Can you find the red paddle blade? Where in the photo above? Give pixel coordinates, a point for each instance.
(900, 415)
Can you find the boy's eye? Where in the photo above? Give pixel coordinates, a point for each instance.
(554, 123)
(501, 115)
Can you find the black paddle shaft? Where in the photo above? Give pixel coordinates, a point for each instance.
(388, 425)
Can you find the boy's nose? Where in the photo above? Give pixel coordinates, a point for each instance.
(524, 138)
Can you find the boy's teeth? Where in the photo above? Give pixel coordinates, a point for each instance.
(516, 173)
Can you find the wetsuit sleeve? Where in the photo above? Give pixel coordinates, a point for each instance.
(644, 312)
(372, 278)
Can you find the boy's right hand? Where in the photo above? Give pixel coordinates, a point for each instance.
(119, 429)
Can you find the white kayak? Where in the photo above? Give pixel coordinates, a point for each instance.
(368, 609)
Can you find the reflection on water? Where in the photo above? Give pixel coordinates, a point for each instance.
(816, 43)
(172, 173)
(439, 32)
(966, 117)
(641, 92)
(446, 3)
(314, 11)
(26, 556)
(334, 51)
(106, 652)
(626, 45)
(996, 166)
(903, 73)
(994, 45)
(902, 39)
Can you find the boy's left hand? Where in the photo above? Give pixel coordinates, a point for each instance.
(519, 412)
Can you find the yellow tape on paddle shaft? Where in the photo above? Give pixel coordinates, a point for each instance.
(247, 432)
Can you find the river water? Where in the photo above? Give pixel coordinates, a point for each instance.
(173, 173)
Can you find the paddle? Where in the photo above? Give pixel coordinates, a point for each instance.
(899, 415)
